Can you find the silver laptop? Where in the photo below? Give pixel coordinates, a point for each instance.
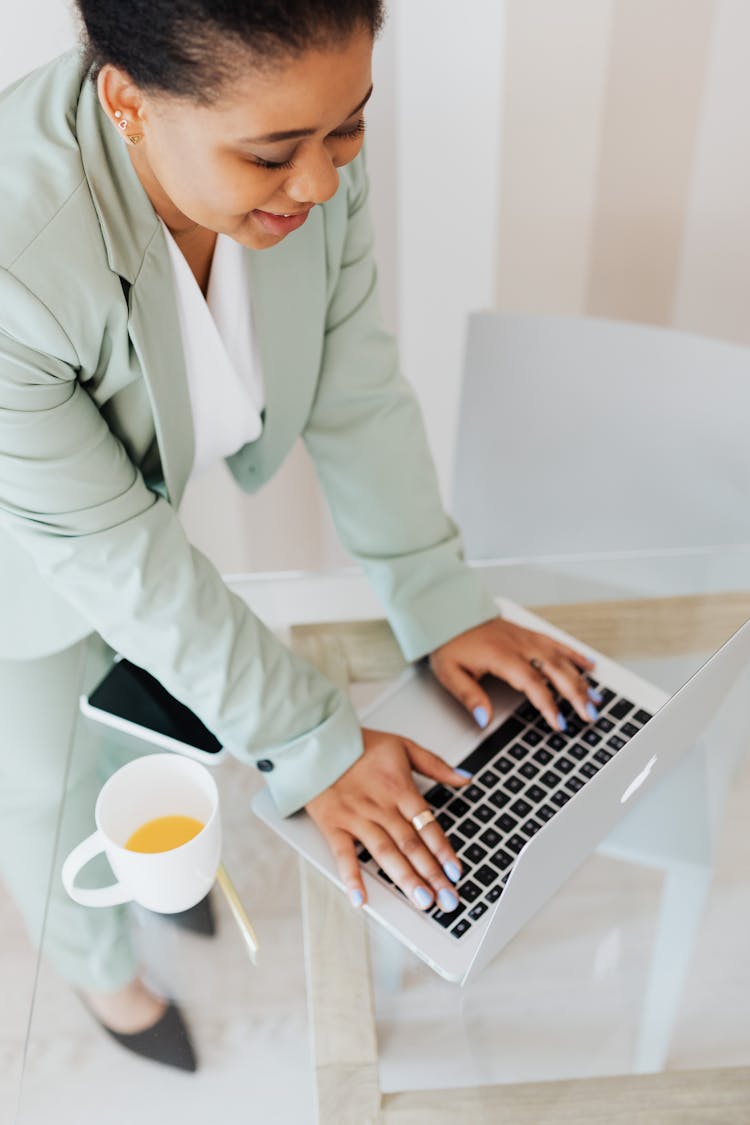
(539, 801)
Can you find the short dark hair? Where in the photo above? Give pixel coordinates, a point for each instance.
(190, 48)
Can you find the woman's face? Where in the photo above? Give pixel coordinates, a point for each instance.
(269, 147)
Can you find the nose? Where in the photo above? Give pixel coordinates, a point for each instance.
(314, 179)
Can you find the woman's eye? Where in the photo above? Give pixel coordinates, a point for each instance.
(261, 163)
(355, 131)
(345, 135)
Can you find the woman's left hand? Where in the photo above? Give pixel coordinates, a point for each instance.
(527, 660)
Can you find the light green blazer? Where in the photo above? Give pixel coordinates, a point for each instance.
(96, 439)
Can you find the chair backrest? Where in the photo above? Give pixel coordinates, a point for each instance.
(583, 435)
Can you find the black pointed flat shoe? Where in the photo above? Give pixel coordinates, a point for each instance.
(167, 1041)
(199, 919)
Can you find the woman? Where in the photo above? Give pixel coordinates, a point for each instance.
(186, 274)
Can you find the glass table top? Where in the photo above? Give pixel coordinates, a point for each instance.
(634, 942)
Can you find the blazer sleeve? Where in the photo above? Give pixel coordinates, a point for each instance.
(367, 440)
(116, 551)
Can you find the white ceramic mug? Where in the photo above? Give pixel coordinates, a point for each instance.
(167, 882)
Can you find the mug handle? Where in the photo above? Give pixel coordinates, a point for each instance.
(102, 896)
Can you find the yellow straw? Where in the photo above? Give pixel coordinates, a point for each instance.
(240, 917)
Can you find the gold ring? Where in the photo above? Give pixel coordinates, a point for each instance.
(535, 662)
(422, 819)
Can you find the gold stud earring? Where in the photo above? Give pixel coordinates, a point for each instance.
(135, 138)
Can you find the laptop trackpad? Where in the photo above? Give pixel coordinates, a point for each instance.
(421, 709)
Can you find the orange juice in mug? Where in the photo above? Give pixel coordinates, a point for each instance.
(157, 821)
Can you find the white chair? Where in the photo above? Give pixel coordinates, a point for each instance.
(581, 435)
(578, 437)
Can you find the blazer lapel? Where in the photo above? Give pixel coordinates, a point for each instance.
(154, 329)
(288, 293)
(137, 251)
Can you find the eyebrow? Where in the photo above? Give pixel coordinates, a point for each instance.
(289, 134)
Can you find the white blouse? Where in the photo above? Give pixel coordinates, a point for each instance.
(222, 360)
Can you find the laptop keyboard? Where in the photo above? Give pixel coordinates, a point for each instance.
(523, 773)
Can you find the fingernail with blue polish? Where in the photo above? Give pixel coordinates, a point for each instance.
(422, 897)
(481, 716)
(595, 695)
(447, 900)
(463, 773)
(356, 898)
(561, 721)
(591, 711)
(452, 871)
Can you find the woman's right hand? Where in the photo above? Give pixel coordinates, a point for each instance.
(374, 802)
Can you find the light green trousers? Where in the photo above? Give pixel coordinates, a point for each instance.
(53, 762)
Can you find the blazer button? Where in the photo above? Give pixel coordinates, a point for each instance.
(265, 765)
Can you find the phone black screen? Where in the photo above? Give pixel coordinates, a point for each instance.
(134, 694)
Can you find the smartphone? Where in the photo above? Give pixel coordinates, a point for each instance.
(132, 701)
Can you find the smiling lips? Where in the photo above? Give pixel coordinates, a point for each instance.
(281, 224)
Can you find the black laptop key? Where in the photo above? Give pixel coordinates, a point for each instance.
(478, 910)
(605, 725)
(487, 750)
(564, 765)
(578, 751)
(501, 859)
(543, 756)
(556, 742)
(489, 779)
(535, 794)
(550, 779)
(484, 814)
(445, 821)
(519, 751)
(494, 894)
(438, 796)
(490, 837)
(503, 764)
(472, 793)
(531, 827)
(507, 823)
(446, 919)
(514, 784)
(468, 828)
(528, 770)
(588, 769)
(527, 711)
(364, 856)
(384, 876)
(455, 841)
(574, 784)
(620, 709)
(520, 807)
(642, 716)
(515, 843)
(544, 812)
(499, 799)
(615, 742)
(532, 737)
(629, 729)
(602, 755)
(607, 696)
(591, 737)
(560, 798)
(474, 854)
(458, 807)
(461, 927)
(485, 875)
(469, 891)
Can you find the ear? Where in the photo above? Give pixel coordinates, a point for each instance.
(118, 92)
